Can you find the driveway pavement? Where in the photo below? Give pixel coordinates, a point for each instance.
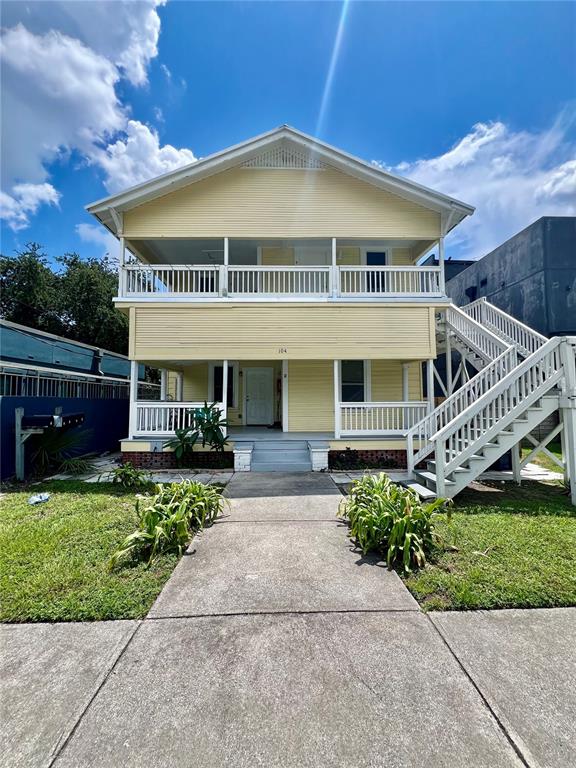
(276, 644)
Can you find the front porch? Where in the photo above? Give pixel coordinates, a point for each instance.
(311, 405)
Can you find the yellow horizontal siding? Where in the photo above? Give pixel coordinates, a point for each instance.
(277, 257)
(367, 445)
(401, 257)
(310, 396)
(387, 381)
(273, 203)
(297, 332)
(348, 256)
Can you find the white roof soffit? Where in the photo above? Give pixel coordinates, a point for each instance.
(107, 208)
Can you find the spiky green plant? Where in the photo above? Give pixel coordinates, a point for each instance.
(169, 520)
(77, 465)
(129, 476)
(392, 520)
(183, 444)
(211, 425)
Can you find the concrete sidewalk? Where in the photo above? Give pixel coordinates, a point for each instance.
(276, 644)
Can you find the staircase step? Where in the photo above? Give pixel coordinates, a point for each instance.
(431, 466)
(275, 467)
(431, 477)
(280, 445)
(422, 491)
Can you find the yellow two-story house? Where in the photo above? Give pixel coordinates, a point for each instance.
(280, 279)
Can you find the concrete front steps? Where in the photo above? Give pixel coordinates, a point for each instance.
(281, 456)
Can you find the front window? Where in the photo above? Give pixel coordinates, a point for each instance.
(353, 388)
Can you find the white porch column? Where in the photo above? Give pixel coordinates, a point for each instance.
(449, 385)
(225, 390)
(405, 388)
(430, 383)
(284, 395)
(568, 414)
(132, 423)
(335, 275)
(163, 384)
(441, 264)
(223, 271)
(121, 270)
(337, 425)
(179, 386)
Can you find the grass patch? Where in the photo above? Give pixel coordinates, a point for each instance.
(544, 461)
(54, 556)
(506, 547)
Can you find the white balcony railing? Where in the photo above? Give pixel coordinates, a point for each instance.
(394, 418)
(162, 419)
(389, 281)
(284, 281)
(206, 281)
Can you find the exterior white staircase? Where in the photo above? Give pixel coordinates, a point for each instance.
(523, 378)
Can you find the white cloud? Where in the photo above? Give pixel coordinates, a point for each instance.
(123, 32)
(57, 95)
(93, 233)
(138, 157)
(512, 177)
(24, 201)
(61, 64)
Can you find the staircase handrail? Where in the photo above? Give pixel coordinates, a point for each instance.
(487, 343)
(526, 339)
(455, 404)
(522, 386)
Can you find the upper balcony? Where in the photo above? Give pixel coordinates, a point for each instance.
(280, 270)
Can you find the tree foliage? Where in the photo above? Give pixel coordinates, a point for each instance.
(72, 298)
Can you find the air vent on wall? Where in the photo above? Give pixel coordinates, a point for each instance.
(284, 157)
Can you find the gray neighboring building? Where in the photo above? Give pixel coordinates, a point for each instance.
(532, 276)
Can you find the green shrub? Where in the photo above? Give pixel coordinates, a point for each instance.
(77, 465)
(129, 476)
(392, 520)
(55, 445)
(169, 520)
(208, 424)
(211, 425)
(183, 444)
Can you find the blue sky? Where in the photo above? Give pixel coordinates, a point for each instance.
(475, 99)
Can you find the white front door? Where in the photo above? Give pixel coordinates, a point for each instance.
(259, 395)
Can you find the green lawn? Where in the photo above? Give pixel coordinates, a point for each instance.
(506, 547)
(53, 556)
(544, 461)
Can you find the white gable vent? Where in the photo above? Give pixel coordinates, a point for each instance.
(283, 157)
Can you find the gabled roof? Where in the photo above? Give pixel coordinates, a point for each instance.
(248, 153)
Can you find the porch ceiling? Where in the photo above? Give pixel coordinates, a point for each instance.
(211, 250)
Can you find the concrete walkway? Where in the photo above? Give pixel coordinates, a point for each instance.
(276, 644)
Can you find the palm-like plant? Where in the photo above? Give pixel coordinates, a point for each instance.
(211, 425)
(183, 443)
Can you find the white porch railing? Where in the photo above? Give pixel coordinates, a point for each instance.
(390, 281)
(172, 280)
(162, 419)
(270, 281)
(394, 418)
(212, 281)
